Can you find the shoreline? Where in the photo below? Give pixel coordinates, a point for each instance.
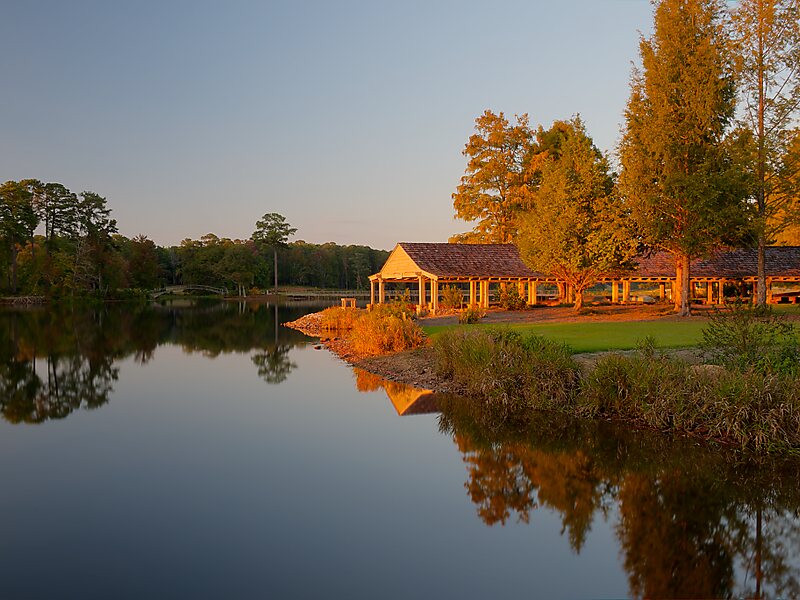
(416, 367)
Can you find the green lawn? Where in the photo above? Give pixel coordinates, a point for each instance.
(610, 335)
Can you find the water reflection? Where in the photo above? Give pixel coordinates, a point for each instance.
(690, 524)
(406, 399)
(54, 362)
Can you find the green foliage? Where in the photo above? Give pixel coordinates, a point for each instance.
(743, 338)
(272, 230)
(451, 297)
(679, 178)
(576, 227)
(510, 298)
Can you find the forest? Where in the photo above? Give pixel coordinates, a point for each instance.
(57, 243)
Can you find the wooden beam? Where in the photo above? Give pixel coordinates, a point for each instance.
(372, 291)
(381, 291)
(434, 295)
(473, 296)
(614, 292)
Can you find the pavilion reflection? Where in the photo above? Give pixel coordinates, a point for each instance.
(406, 399)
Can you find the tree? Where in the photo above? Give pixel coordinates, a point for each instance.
(17, 221)
(238, 265)
(575, 228)
(92, 229)
(767, 46)
(273, 231)
(143, 267)
(784, 221)
(685, 192)
(494, 188)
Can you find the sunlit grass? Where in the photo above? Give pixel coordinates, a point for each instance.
(599, 336)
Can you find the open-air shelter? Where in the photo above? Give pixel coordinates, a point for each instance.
(426, 267)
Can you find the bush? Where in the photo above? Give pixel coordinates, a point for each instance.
(336, 318)
(509, 372)
(452, 297)
(743, 337)
(470, 315)
(755, 411)
(510, 298)
(386, 328)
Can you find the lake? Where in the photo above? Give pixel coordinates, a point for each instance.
(200, 450)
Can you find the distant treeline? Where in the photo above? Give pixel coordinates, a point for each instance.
(80, 251)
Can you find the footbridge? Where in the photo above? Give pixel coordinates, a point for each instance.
(182, 289)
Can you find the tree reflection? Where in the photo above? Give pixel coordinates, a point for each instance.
(691, 524)
(55, 361)
(274, 365)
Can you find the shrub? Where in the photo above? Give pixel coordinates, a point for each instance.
(386, 328)
(755, 411)
(452, 297)
(336, 318)
(470, 315)
(510, 298)
(511, 373)
(743, 337)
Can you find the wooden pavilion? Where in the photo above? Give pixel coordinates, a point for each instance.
(428, 266)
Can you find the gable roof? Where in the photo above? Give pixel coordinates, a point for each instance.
(739, 263)
(457, 260)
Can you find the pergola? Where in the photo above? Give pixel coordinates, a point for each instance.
(430, 265)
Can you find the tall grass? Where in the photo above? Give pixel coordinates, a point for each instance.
(753, 410)
(507, 370)
(383, 330)
(339, 319)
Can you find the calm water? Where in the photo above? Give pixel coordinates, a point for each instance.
(201, 452)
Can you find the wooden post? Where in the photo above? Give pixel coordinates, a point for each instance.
(531, 293)
(614, 292)
(372, 291)
(473, 296)
(381, 291)
(709, 292)
(769, 291)
(421, 304)
(521, 289)
(662, 290)
(755, 292)
(434, 295)
(562, 292)
(626, 291)
(485, 294)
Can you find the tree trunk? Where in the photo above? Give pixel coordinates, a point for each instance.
(761, 286)
(275, 257)
(578, 299)
(676, 290)
(761, 171)
(13, 268)
(685, 310)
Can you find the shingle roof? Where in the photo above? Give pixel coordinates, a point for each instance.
(469, 260)
(781, 261)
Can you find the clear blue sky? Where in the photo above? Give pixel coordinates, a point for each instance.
(347, 117)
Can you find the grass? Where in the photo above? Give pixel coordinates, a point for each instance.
(600, 336)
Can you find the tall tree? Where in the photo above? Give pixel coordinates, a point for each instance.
(273, 231)
(17, 221)
(575, 229)
(683, 188)
(767, 44)
(493, 189)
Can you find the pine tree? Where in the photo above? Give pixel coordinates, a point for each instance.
(682, 186)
